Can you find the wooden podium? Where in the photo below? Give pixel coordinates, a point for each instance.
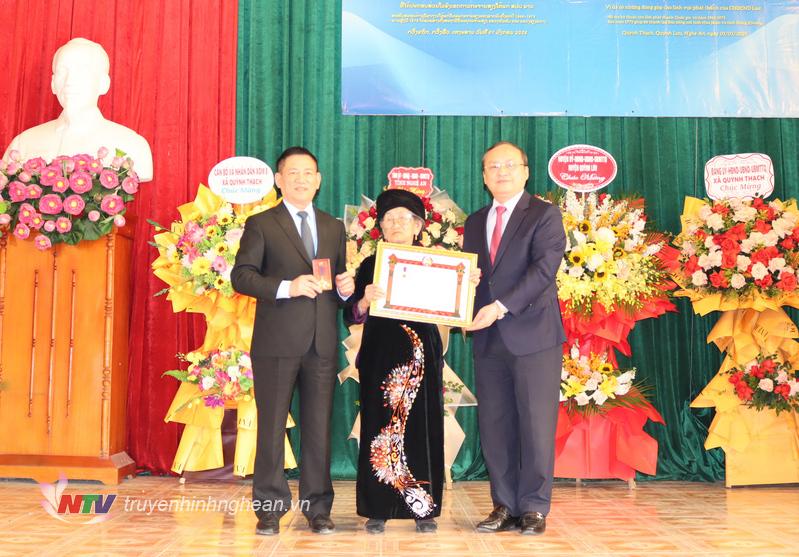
(64, 318)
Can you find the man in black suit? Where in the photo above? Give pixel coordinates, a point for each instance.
(294, 338)
(518, 340)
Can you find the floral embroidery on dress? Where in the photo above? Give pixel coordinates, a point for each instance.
(387, 450)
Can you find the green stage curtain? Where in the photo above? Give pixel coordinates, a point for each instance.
(289, 93)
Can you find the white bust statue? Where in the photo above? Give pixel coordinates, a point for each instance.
(80, 76)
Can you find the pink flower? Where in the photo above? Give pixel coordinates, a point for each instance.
(22, 232)
(24, 176)
(109, 179)
(60, 185)
(50, 175)
(95, 166)
(130, 185)
(5, 218)
(49, 225)
(63, 225)
(94, 215)
(13, 167)
(34, 166)
(42, 242)
(117, 162)
(119, 220)
(102, 152)
(112, 204)
(219, 264)
(74, 204)
(50, 204)
(37, 221)
(17, 192)
(26, 213)
(33, 191)
(82, 162)
(14, 155)
(80, 182)
(3, 180)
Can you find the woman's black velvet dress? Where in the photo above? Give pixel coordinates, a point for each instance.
(401, 454)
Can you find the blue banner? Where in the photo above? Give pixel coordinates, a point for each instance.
(570, 57)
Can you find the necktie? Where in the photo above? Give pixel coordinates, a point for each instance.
(496, 236)
(305, 233)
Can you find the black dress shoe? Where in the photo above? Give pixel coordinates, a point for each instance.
(321, 524)
(426, 526)
(268, 525)
(499, 520)
(375, 525)
(533, 524)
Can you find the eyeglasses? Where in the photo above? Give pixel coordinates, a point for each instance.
(510, 166)
(402, 220)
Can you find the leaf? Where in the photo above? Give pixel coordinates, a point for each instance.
(179, 374)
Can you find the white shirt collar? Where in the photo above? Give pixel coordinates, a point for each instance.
(510, 204)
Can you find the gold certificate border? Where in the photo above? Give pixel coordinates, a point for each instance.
(420, 314)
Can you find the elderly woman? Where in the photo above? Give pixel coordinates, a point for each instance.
(401, 457)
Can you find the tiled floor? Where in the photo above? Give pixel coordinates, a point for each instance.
(597, 518)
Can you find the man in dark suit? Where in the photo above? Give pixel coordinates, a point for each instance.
(520, 242)
(294, 338)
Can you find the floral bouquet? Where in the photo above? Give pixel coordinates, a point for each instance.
(443, 228)
(765, 382)
(610, 259)
(611, 275)
(204, 249)
(591, 383)
(221, 375)
(195, 259)
(67, 200)
(738, 248)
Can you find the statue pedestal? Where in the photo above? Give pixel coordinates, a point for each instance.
(64, 318)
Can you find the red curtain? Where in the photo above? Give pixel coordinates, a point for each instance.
(173, 80)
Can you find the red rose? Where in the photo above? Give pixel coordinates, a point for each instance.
(602, 197)
(788, 243)
(718, 280)
(701, 234)
(459, 229)
(362, 216)
(768, 366)
(795, 234)
(765, 282)
(692, 265)
(729, 259)
(728, 244)
(758, 203)
(437, 216)
(787, 283)
(737, 232)
(373, 211)
(374, 233)
(763, 227)
(770, 213)
(721, 209)
(764, 255)
(736, 377)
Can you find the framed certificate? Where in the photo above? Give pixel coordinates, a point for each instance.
(424, 284)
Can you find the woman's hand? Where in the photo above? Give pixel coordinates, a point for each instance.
(371, 293)
(474, 276)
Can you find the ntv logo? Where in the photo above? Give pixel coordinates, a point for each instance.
(59, 505)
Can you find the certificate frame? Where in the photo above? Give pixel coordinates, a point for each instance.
(404, 271)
